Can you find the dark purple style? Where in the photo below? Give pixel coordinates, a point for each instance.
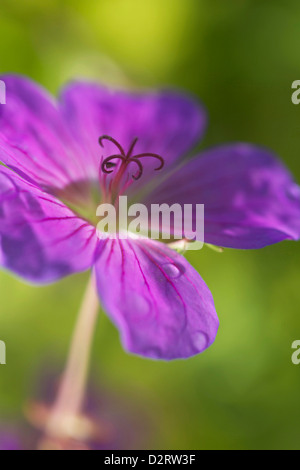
(63, 158)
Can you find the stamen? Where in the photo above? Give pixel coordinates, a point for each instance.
(108, 165)
(140, 172)
(111, 139)
(153, 155)
(132, 147)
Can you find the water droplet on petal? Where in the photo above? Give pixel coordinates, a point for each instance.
(172, 270)
(200, 340)
(138, 304)
(154, 353)
(293, 192)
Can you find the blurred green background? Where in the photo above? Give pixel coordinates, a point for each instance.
(240, 58)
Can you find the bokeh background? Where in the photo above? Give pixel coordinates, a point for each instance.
(240, 58)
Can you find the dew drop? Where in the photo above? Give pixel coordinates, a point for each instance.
(139, 305)
(200, 340)
(154, 353)
(172, 270)
(293, 192)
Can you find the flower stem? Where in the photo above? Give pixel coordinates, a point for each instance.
(67, 408)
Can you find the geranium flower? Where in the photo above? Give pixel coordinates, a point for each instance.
(56, 174)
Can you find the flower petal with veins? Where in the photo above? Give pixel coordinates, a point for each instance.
(41, 239)
(249, 197)
(159, 302)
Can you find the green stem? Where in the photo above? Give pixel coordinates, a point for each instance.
(67, 408)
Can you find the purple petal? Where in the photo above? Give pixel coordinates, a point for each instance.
(41, 239)
(9, 441)
(250, 198)
(56, 145)
(34, 138)
(161, 305)
(165, 123)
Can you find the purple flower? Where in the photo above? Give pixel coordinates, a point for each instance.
(56, 174)
(9, 441)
